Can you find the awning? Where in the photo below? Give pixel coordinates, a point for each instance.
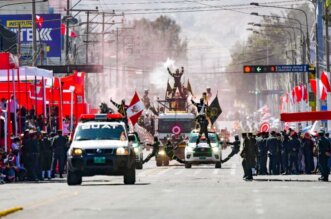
(305, 116)
(29, 72)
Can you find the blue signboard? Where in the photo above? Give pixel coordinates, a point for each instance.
(49, 33)
(292, 68)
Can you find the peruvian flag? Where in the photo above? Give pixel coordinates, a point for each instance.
(322, 88)
(135, 109)
(36, 91)
(39, 21)
(305, 92)
(298, 93)
(325, 81)
(72, 34)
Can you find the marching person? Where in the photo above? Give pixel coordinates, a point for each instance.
(294, 147)
(170, 151)
(324, 153)
(273, 147)
(122, 108)
(155, 150)
(248, 156)
(235, 148)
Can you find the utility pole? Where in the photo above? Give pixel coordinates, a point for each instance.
(67, 33)
(117, 52)
(103, 39)
(87, 36)
(34, 34)
(327, 51)
(19, 45)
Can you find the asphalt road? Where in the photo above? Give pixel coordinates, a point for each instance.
(173, 192)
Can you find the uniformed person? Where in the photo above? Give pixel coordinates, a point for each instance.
(122, 109)
(178, 84)
(262, 154)
(324, 153)
(59, 153)
(248, 156)
(235, 148)
(273, 147)
(170, 151)
(294, 147)
(155, 150)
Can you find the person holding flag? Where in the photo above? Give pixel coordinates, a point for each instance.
(122, 108)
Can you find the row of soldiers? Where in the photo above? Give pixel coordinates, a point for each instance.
(286, 153)
(36, 155)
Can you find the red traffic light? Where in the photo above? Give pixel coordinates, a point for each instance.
(247, 69)
(273, 68)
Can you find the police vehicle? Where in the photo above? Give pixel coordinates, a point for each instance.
(138, 149)
(100, 146)
(203, 153)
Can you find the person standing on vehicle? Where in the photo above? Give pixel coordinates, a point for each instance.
(170, 151)
(177, 77)
(59, 153)
(248, 156)
(202, 119)
(235, 148)
(324, 153)
(122, 109)
(155, 150)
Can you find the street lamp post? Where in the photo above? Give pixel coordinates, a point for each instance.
(297, 9)
(303, 39)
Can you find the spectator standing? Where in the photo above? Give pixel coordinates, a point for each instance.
(59, 152)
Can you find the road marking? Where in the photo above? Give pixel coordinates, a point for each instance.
(215, 172)
(62, 195)
(233, 169)
(10, 211)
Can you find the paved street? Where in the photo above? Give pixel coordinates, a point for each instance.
(173, 192)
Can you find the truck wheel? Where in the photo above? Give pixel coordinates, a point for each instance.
(188, 165)
(158, 162)
(166, 162)
(218, 165)
(74, 178)
(130, 176)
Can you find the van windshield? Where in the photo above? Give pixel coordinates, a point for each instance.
(100, 132)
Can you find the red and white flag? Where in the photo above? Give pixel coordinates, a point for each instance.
(298, 93)
(325, 81)
(72, 34)
(305, 93)
(322, 88)
(135, 109)
(39, 21)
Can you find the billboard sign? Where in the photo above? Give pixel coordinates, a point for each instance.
(48, 34)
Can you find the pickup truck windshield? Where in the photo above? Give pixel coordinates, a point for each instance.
(100, 132)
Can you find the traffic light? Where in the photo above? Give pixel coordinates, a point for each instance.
(247, 69)
(273, 68)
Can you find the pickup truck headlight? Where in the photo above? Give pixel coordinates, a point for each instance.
(136, 150)
(77, 152)
(216, 149)
(122, 151)
(189, 149)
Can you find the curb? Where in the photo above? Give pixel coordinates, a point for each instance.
(10, 211)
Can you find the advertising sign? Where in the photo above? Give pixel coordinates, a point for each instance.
(48, 33)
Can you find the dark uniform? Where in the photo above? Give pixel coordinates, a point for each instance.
(202, 120)
(248, 156)
(323, 156)
(294, 147)
(122, 108)
(155, 151)
(170, 152)
(46, 157)
(59, 153)
(273, 147)
(177, 77)
(235, 148)
(31, 148)
(308, 150)
(285, 152)
(262, 154)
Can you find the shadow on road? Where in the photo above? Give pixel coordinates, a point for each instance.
(114, 184)
(285, 180)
